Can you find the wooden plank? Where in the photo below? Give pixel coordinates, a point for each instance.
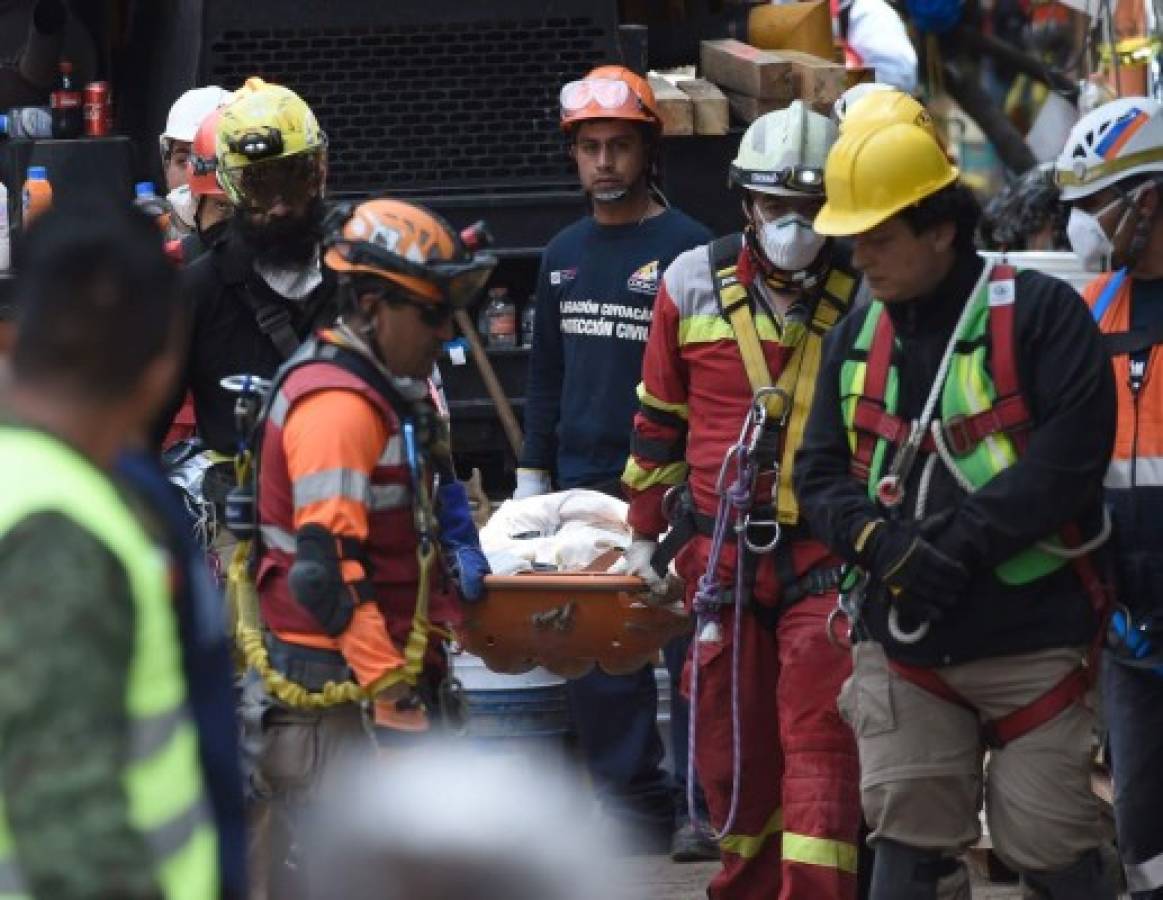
(804, 26)
(859, 75)
(748, 109)
(712, 113)
(744, 69)
(817, 81)
(675, 107)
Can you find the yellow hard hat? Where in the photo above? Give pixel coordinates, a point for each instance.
(871, 175)
(881, 108)
(262, 123)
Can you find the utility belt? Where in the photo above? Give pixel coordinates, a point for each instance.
(310, 667)
(818, 581)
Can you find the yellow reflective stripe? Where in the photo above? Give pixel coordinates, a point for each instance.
(640, 479)
(648, 399)
(748, 846)
(815, 851)
(705, 329)
(150, 807)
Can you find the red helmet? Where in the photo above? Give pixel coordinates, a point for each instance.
(609, 92)
(203, 159)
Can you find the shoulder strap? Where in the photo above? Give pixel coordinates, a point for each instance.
(1121, 343)
(735, 304)
(1107, 297)
(274, 320)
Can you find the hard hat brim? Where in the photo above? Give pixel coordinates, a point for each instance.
(832, 223)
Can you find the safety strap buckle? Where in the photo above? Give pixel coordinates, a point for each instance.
(959, 437)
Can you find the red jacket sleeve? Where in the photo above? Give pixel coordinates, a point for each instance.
(658, 446)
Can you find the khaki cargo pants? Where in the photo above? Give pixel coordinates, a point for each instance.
(921, 760)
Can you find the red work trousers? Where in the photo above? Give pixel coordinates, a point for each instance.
(798, 810)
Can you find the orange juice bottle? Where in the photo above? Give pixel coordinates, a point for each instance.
(37, 194)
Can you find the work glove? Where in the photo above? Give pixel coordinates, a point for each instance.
(636, 561)
(467, 563)
(923, 582)
(532, 483)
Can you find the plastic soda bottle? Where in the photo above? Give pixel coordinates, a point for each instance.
(37, 195)
(501, 316)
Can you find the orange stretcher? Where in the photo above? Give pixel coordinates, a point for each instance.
(567, 622)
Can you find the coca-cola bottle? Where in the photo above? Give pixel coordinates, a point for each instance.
(68, 114)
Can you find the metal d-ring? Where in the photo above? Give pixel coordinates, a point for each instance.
(899, 634)
(766, 523)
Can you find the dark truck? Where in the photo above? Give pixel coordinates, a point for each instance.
(451, 103)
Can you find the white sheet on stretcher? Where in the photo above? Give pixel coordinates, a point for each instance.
(566, 530)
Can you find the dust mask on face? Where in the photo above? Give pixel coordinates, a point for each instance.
(789, 243)
(185, 208)
(1088, 239)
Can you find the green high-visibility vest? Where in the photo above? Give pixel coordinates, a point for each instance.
(162, 776)
(969, 389)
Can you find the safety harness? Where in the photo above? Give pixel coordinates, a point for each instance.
(419, 437)
(768, 439)
(877, 425)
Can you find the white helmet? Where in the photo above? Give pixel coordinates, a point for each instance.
(188, 112)
(1114, 142)
(783, 152)
(846, 100)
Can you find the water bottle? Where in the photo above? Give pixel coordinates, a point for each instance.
(146, 199)
(26, 122)
(5, 231)
(501, 318)
(68, 113)
(528, 322)
(36, 197)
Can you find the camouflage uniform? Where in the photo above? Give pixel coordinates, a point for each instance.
(65, 650)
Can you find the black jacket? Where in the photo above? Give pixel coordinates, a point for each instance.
(1066, 380)
(224, 336)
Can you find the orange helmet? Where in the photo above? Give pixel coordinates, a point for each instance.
(204, 160)
(408, 245)
(609, 92)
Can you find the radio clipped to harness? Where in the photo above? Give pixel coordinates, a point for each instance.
(241, 513)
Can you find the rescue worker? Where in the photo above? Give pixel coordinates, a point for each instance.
(1026, 214)
(975, 599)
(595, 293)
(102, 787)
(743, 313)
(176, 145)
(873, 35)
(349, 574)
(212, 208)
(1110, 173)
(262, 290)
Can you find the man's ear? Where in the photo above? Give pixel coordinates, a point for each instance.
(1149, 201)
(942, 235)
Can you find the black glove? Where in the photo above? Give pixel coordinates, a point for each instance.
(922, 581)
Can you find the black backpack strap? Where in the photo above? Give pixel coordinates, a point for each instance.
(723, 253)
(274, 320)
(1121, 343)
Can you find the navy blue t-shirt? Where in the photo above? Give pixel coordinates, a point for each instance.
(595, 296)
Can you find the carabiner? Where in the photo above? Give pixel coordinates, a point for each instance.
(758, 401)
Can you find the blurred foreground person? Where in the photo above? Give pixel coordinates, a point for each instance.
(502, 830)
(89, 645)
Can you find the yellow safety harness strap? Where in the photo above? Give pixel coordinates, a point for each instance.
(791, 401)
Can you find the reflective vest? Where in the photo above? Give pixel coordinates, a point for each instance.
(1138, 455)
(162, 775)
(983, 414)
(390, 549)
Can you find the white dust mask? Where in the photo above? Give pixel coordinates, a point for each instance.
(789, 243)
